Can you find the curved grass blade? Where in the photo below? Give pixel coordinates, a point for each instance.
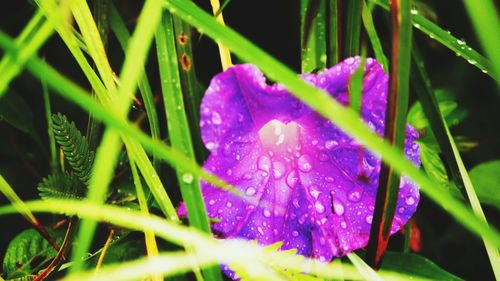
(178, 129)
(395, 129)
(54, 164)
(484, 17)
(323, 104)
(123, 36)
(374, 39)
(22, 209)
(458, 46)
(313, 35)
(312, 96)
(245, 254)
(450, 150)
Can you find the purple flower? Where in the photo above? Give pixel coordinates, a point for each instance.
(315, 185)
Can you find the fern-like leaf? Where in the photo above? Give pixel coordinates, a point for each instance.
(75, 147)
(61, 186)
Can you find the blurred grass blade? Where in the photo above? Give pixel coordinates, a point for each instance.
(447, 144)
(333, 28)
(149, 236)
(395, 129)
(484, 17)
(313, 35)
(242, 253)
(123, 36)
(22, 209)
(178, 129)
(374, 39)
(31, 38)
(458, 46)
(352, 31)
(364, 269)
(189, 82)
(317, 99)
(225, 55)
(356, 86)
(54, 164)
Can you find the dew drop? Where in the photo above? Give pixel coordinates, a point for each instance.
(329, 144)
(296, 203)
(211, 202)
(264, 163)
(401, 210)
(314, 192)
(295, 233)
(278, 170)
(354, 195)
(319, 207)
(250, 191)
(260, 230)
(369, 219)
(304, 163)
(410, 200)
(338, 208)
(292, 179)
(343, 224)
(216, 119)
(210, 145)
(229, 204)
(187, 178)
(267, 214)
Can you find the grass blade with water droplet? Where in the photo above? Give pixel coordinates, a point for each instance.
(313, 35)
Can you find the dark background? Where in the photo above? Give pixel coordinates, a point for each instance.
(274, 26)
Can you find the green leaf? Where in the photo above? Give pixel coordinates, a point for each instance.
(449, 109)
(352, 31)
(15, 111)
(416, 266)
(313, 34)
(28, 252)
(486, 182)
(62, 186)
(75, 147)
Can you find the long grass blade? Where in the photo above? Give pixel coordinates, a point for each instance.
(484, 17)
(449, 148)
(239, 252)
(313, 35)
(48, 116)
(334, 32)
(352, 33)
(178, 129)
(395, 129)
(456, 45)
(319, 100)
(366, 15)
(123, 36)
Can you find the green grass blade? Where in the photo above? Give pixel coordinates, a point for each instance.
(54, 163)
(102, 173)
(332, 110)
(458, 46)
(123, 36)
(312, 96)
(178, 129)
(333, 29)
(395, 129)
(484, 17)
(31, 41)
(450, 150)
(239, 252)
(356, 87)
(95, 47)
(313, 35)
(189, 82)
(374, 39)
(364, 269)
(352, 32)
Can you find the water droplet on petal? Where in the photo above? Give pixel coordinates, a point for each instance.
(410, 200)
(319, 207)
(304, 163)
(250, 191)
(314, 192)
(401, 210)
(292, 179)
(343, 224)
(229, 204)
(260, 230)
(216, 119)
(264, 163)
(211, 202)
(338, 208)
(278, 169)
(210, 145)
(295, 233)
(329, 144)
(267, 213)
(369, 219)
(296, 203)
(354, 195)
